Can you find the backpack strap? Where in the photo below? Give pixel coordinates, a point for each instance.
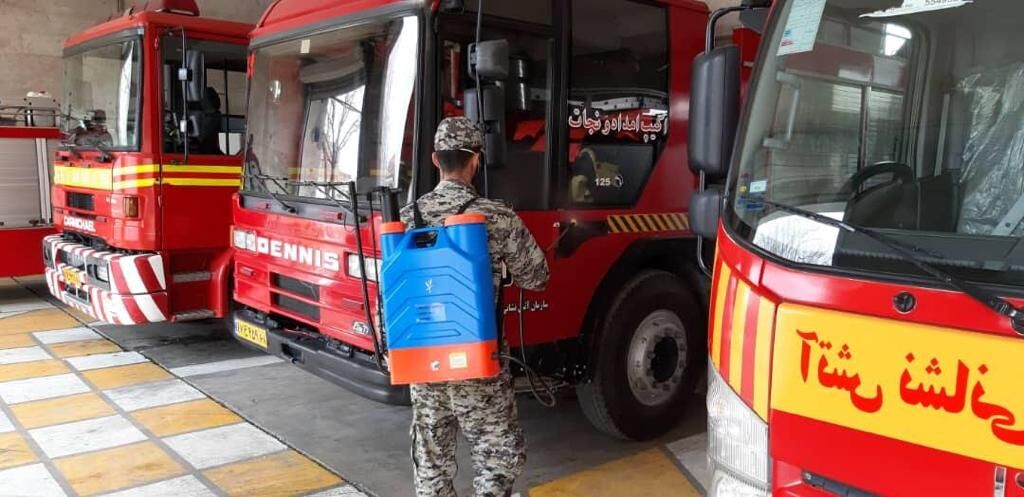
(467, 205)
(417, 216)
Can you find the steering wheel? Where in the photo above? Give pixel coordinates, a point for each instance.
(901, 172)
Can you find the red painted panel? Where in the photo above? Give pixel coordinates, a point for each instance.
(875, 464)
(23, 251)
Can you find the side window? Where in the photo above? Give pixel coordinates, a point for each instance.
(618, 99)
(216, 121)
(526, 26)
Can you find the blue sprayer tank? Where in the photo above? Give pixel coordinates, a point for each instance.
(439, 307)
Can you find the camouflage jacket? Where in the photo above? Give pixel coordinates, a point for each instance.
(509, 241)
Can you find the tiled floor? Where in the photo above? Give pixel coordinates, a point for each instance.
(79, 416)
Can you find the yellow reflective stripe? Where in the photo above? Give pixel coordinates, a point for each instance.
(176, 168)
(763, 357)
(135, 183)
(82, 177)
(236, 182)
(613, 224)
(203, 169)
(143, 169)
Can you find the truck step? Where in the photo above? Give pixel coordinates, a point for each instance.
(193, 315)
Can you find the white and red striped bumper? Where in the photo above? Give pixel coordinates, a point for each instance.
(134, 290)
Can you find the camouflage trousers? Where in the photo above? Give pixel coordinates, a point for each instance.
(486, 412)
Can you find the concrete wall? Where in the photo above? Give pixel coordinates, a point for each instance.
(32, 34)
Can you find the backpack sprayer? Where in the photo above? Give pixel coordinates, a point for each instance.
(439, 301)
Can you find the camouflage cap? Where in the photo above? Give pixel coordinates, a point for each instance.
(455, 133)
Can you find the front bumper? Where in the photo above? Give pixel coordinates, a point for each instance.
(328, 359)
(134, 291)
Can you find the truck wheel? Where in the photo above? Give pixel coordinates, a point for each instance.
(648, 359)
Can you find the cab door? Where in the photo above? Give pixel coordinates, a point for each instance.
(201, 164)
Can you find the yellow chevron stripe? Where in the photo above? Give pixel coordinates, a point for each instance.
(659, 221)
(763, 357)
(613, 225)
(633, 227)
(724, 274)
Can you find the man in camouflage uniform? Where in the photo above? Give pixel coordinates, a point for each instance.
(485, 410)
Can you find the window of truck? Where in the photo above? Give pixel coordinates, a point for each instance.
(907, 120)
(332, 108)
(618, 99)
(102, 88)
(217, 119)
(527, 28)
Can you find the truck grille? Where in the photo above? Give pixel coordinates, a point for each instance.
(297, 306)
(83, 201)
(305, 290)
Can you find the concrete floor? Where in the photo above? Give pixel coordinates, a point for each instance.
(366, 442)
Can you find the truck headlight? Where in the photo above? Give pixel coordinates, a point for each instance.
(243, 239)
(354, 269)
(737, 444)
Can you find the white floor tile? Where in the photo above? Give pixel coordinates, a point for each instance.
(342, 491)
(64, 336)
(148, 395)
(99, 361)
(692, 454)
(86, 436)
(5, 423)
(228, 365)
(23, 354)
(217, 446)
(30, 303)
(186, 486)
(48, 387)
(29, 481)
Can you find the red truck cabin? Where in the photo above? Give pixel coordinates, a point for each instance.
(866, 337)
(348, 93)
(142, 222)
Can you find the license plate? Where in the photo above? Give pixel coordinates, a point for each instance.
(72, 278)
(251, 333)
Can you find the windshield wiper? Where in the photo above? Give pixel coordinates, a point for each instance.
(277, 182)
(330, 190)
(906, 252)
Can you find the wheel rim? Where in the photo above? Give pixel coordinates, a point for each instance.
(657, 358)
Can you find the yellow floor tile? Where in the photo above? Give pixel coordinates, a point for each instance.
(122, 376)
(41, 320)
(648, 473)
(84, 347)
(185, 417)
(278, 475)
(36, 369)
(61, 410)
(15, 341)
(121, 467)
(14, 451)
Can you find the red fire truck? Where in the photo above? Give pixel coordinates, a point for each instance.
(866, 334)
(587, 134)
(153, 111)
(28, 136)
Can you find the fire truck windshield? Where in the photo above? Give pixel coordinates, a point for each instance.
(906, 117)
(333, 108)
(102, 87)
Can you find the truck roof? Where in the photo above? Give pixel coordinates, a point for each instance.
(230, 29)
(287, 15)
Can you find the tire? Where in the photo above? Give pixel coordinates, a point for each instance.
(631, 397)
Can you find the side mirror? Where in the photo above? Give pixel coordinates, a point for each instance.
(195, 64)
(714, 110)
(705, 212)
(489, 59)
(493, 100)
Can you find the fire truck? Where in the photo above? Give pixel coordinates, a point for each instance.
(587, 122)
(153, 109)
(866, 333)
(28, 137)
